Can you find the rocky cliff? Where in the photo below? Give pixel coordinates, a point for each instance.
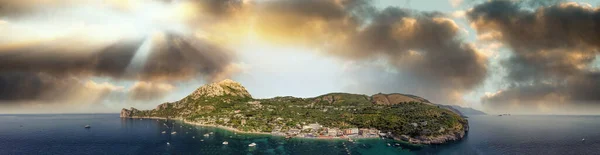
(128, 113)
(225, 87)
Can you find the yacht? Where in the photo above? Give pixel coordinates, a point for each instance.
(252, 144)
(225, 143)
(87, 126)
(163, 132)
(173, 132)
(206, 135)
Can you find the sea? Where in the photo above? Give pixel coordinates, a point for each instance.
(109, 134)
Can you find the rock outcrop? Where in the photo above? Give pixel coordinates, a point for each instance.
(225, 87)
(128, 113)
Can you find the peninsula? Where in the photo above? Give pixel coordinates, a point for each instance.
(227, 104)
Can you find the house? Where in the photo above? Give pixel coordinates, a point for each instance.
(363, 131)
(347, 132)
(293, 131)
(332, 132)
(354, 130)
(373, 131)
(314, 126)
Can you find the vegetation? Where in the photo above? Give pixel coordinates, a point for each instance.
(336, 110)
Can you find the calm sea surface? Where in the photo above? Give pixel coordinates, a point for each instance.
(109, 134)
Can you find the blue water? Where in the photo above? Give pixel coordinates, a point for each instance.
(64, 134)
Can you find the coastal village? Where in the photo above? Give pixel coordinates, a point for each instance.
(318, 131)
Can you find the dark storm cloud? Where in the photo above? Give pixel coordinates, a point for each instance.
(425, 43)
(553, 48)
(61, 57)
(178, 57)
(27, 86)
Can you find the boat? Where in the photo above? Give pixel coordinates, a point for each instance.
(168, 143)
(252, 144)
(206, 135)
(87, 126)
(173, 132)
(350, 140)
(211, 133)
(163, 132)
(194, 137)
(389, 144)
(225, 143)
(201, 140)
(583, 139)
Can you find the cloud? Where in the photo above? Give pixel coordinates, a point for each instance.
(425, 45)
(455, 3)
(459, 14)
(192, 37)
(148, 91)
(552, 46)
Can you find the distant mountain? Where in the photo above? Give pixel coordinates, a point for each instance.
(228, 104)
(463, 111)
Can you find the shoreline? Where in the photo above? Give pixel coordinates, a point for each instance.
(246, 132)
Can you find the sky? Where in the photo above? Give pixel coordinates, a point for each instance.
(98, 56)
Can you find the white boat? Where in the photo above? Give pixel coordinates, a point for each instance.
(201, 140)
(350, 140)
(168, 143)
(87, 126)
(164, 132)
(252, 144)
(211, 133)
(225, 143)
(206, 135)
(173, 132)
(389, 144)
(583, 139)
(194, 137)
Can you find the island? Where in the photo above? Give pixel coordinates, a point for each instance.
(227, 104)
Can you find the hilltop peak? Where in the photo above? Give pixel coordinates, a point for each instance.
(224, 87)
(226, 81)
